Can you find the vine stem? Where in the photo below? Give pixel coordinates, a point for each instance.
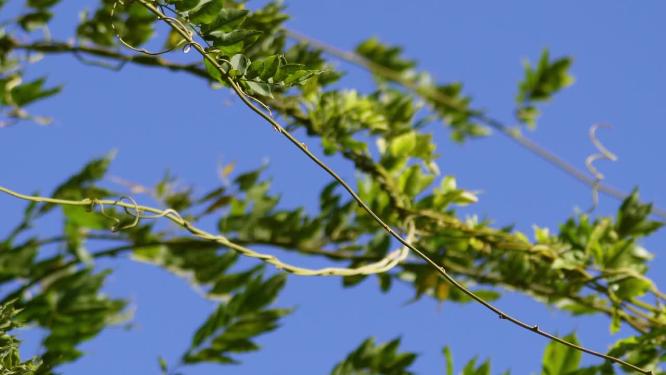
(302, 146)
(340, 256)
(133, 209)
(146, 60)
(440, 98)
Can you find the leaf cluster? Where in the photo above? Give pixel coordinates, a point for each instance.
(540, 84)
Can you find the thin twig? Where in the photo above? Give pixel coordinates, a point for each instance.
(137, 211)
(339, 255)
(59, 47)
(385, 226)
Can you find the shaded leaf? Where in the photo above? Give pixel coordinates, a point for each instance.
(560, 359)
(370, 358)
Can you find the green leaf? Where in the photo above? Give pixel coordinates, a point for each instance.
(72, 309)
(173, 39)
(539, 84)
(27, 93)
(233, 325)
(80, 185)
(293, 74)
(264, 68)
(81, 217)
(559, 359)
(631, 288)
(576, 308)
(471, 369)
(35, 20)
(132, 21)
(370, 358)
(164, 367)
(246, 180)
(403, 145)
(424, 148)
(74, 236)
(227, 19)
(549, 77)
(616, 322)
(233, 42)
(413, 181)
(448, 193)
(205, 13)
(213, 71)
(239, 65)
(633, 217)
(185, 5)
(41, 4)
(10, 359)
(529, 115)
(386, 56)
(455, 111)
(488, 295)
(16, 262)
(646, 350)
(449, 360)
(259, 88)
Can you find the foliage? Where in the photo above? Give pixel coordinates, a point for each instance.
(73, 308)
(232, 325)
(559, 359)
(540, 84)
(592, 265)
(10, 360)
(370, 358)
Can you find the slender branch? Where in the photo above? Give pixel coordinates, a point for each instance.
(443, 99)
(133, 209)
(502, 315)
(475, 275)
(534, 289)
(537, 290)
(146, 60)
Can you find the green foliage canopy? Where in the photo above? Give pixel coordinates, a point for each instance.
(592, 265)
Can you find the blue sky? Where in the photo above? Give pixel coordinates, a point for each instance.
(620, 75)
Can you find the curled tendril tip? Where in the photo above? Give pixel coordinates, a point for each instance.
(603, 153)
